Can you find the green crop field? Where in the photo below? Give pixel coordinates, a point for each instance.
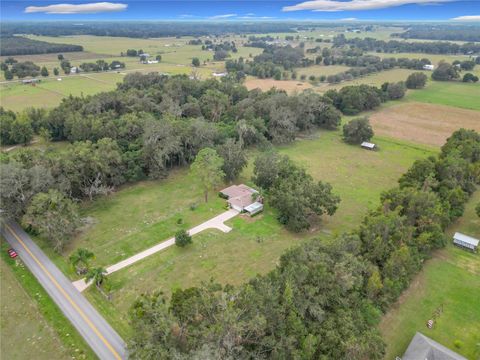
(452, 279)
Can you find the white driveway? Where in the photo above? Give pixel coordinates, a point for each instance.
(215, 223)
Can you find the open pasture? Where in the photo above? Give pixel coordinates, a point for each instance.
(452, 279)
(266, 84)
(429, 124)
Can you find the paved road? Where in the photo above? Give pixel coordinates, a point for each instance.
(104, 341)
(214, 223)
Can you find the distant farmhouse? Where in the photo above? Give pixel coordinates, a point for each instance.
(428, 67)
(242, 198)
(465, 241)
(424, 348)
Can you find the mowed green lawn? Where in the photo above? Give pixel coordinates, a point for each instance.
(144, 214)
(452, 279)
(452, 93)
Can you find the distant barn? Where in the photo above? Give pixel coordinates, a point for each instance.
(368, 145)
(465, 241)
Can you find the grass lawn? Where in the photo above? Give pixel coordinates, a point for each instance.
(451, 278)
(32, 325)
(451, 93)
(357, 175)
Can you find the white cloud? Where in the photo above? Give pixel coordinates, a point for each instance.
(335, 5)
(224, 16)
(349, 19)
(467, 18)
(256, 17)
(90, 8)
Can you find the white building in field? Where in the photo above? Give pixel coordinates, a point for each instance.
(465, 241)
(428, 67)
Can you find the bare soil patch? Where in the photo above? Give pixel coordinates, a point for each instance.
(287, 85)
(429, 124)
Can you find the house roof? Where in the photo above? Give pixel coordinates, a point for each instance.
(367, 145)
(466, 239)
(423, 348)
(254, 207)
(239, 195)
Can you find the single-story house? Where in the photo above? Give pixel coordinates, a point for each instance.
(428, 67)
(368, 145)
(465, 241)
(240, 197)
(423, 348)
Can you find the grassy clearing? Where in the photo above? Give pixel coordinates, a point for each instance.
(357, 175)
(451, 278)
(318, 70)
(31, 323)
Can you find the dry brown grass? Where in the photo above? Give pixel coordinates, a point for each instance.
(429, 124)
(287, 85)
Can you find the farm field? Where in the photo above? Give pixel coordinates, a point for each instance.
(429, 124)
(456, 94)
(318, 70)
(266, 84)
(452, 279)
(253, 246)
(434, 58)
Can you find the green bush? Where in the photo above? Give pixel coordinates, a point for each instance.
(182, 238)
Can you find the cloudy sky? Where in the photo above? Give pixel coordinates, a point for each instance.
(346, 10)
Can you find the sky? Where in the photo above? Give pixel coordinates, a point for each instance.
(247, 10)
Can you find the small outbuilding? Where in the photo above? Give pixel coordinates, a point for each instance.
(368, 145)
(465, 241)
(428, 67)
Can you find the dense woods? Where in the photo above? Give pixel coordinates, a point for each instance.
(442, 32)
(18, 45)
(325, 298)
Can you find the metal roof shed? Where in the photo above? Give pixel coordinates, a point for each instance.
(254, 208)
(368, 145)
(465, 241)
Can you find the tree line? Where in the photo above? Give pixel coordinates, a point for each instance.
(19, 45)
(442, 32)
(395, 46)
(325, 298)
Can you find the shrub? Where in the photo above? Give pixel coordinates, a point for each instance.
(182, 238)
(469, 77)
(416, 80)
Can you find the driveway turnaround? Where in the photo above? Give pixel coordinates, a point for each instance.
(214, 223)
(101, 337)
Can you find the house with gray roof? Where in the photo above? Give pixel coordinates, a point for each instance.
(423, 348)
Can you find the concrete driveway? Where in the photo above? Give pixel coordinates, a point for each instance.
(215, 223)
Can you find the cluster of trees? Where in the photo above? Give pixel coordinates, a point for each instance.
(351, 100)
(442, 32)
(325, 298)
(288, 188)
(102, 65)
(395, 46)
(19, 45)
(15, 128)
(445, 72)
(357, 131)
(469, 77)
(371, 64)
(271, 63)
(195, 42)
(132, 53)
(11, 68)
(221, 50)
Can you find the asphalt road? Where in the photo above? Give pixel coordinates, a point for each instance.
(101, 337)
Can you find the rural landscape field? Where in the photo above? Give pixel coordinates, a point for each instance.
(286, 181)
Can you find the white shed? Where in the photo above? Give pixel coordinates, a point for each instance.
(254, 208)
(368, 145)
(465, 241)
